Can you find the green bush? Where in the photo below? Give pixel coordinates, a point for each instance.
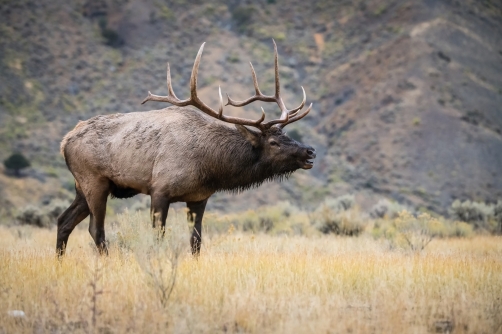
(131, 230)
(158, 257)
(32, 215)
(347, 223)
(282, 218)
(461, 230)
(55, 208)
(387, 209)
(44, 216)
(112, 37)
(479, 215)
(16, 162)
(338, 216)
(276, 219)
(250, 221)
(242, 17)
(340, 203)
(497, 215)
(409, 232)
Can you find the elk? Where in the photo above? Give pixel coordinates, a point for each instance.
(177, 154)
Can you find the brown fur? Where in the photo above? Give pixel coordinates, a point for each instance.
(173, 154)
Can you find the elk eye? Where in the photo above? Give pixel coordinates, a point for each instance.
(273, 143)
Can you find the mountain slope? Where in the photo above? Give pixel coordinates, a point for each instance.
(407, 95)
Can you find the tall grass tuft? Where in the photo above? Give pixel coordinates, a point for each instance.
(157, 251)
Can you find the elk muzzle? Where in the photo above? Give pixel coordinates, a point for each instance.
(308, 158)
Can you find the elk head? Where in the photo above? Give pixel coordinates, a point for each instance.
(278, 149)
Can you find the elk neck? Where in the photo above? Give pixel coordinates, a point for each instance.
(235, 165)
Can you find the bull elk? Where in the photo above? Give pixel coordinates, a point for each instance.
(176, 154)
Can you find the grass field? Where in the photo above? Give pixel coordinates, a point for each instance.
(246, 282)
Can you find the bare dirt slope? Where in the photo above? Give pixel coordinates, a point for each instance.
(407, 95)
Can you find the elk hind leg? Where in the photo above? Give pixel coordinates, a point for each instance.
(70, 218)
(97, 193)
(195, 214)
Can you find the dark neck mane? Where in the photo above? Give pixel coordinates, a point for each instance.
(232, 164)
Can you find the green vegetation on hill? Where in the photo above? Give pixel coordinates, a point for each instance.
(407, 94)
(16, 162)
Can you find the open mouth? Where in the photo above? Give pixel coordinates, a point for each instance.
(307, 164)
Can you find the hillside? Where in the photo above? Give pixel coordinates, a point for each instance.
(407, 95)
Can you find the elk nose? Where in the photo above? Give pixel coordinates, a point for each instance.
(311, 152)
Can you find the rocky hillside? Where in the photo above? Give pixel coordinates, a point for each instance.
(407, 94)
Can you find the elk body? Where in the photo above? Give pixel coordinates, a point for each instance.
(176, 154)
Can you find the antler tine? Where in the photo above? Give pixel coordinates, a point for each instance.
(280, 102)
(255, 80)
(296, 118)
(258, 96)
(173, 100)
(276, 68)
(169, 83)
(195, 72)
(277, 121)
(171, 97)
(293, 112)
(288, 115)
(220, 112)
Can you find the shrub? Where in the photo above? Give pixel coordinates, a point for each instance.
(217, 223)
(474, 213)
(158, 257)
(44, 216)
(141, 204)
(282, 218)
(242, 17)
(340, 203)
(269, 219)
(112, 37)
(385, 208)
(128, 230)
(410, 232)
(296, 224)
(250, 221)
(55, 208)
(461, 230)
(32, 215)
(338, 216)
(16, 162)
(347, 223)
(497, 215)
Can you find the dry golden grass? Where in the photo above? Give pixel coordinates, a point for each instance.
(249, 283)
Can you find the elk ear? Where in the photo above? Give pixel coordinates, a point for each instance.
(250, 135)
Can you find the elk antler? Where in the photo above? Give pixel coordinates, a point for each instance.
(287, 116)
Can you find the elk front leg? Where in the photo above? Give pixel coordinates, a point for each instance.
(195, 214)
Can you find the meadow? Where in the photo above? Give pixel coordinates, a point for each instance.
(246, 282)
